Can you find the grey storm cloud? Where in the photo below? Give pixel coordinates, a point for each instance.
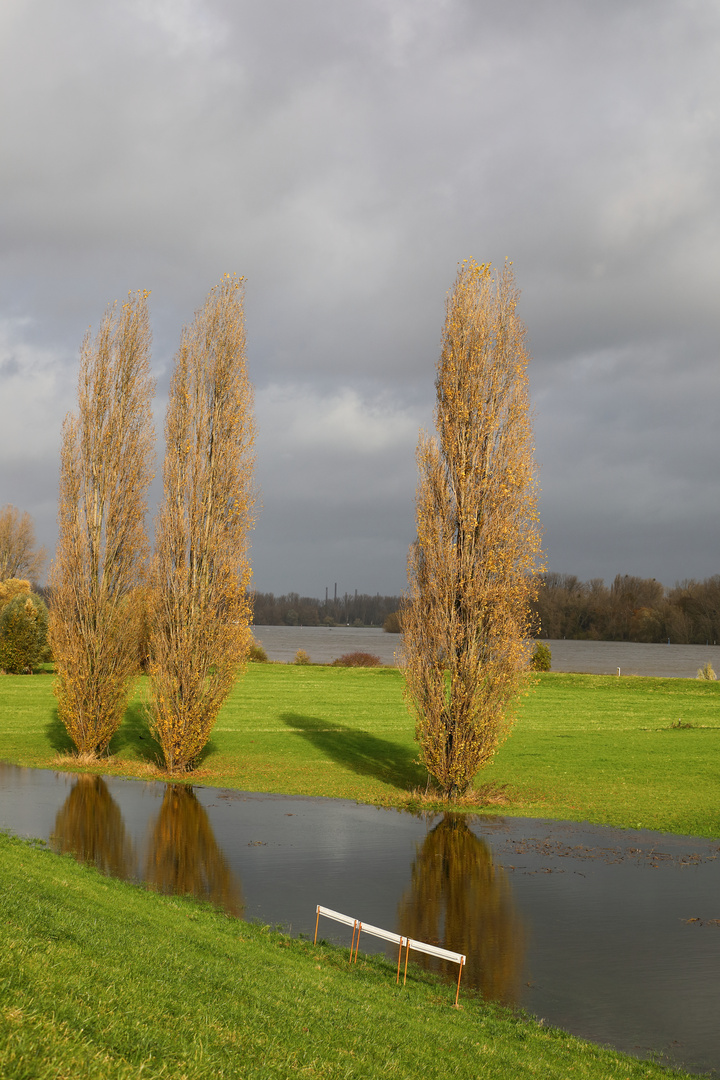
(345, 158)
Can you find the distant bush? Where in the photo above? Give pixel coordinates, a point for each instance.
(23, 634)
(391, 624)
(706, 672)
(357, 659)
(301, 657)
(257, 654)
(541, 658)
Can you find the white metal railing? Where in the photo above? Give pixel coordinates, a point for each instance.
(400, 940)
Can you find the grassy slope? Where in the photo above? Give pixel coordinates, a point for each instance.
(99, 979)
(586, 747)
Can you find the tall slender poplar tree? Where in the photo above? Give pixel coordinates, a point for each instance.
(471, 570)
(199, 601)
(105, 472)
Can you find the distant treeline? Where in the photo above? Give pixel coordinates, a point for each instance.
(631, 609)
(291, 609)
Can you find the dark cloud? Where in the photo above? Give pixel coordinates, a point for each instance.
(346, 158)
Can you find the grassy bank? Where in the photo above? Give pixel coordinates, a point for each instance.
(586, 747)
(100, 979)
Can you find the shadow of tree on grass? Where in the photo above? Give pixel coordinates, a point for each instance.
(134, 735)
(57, 735)
(359, 751)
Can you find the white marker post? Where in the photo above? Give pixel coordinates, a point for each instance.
(385, 935)
(435, 950)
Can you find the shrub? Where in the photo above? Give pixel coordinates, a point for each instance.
(23, 633)
(257, 654)
(541, 658)
(301, 657)
(12, 587)
(357, 659)
(392, 623)
(706, 672)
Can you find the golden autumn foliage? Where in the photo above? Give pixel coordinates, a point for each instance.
(23, 632)
(472, 568)
(105, 472)
(460, 900)
(199, 608)
(11, 588)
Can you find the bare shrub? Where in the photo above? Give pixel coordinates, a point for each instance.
(257, 654)
(18, 551)
(357, 659)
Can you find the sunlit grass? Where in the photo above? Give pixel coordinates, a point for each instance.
(100, 979)
(586, 747)
(604, 749)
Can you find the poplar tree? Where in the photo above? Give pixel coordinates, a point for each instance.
(105, 472)
(471, 570)
(199, 601)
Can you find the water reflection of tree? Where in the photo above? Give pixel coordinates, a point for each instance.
(458, 899)
(89, 825)
(184, 856)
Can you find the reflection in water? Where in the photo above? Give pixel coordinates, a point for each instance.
(458, 899)
(183, 854)
(89, 826)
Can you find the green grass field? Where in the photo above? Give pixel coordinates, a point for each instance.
(585, 747)
(100, 980)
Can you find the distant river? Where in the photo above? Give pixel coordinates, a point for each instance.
(324, 644)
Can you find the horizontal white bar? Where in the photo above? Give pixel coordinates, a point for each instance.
(386, 935)
(330, 914)
(434, 950)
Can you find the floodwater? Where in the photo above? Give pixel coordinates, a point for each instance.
(611, 934)
(324, 644)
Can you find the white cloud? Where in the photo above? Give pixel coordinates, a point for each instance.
(293, 417)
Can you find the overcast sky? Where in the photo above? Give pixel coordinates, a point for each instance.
(345, 157)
